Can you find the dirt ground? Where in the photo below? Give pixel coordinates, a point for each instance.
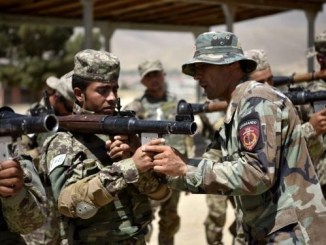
(193, 210)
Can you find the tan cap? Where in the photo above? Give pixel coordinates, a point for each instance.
(148, 66)
(62, 85)
(263, 70)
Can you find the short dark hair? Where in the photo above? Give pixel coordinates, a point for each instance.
(79, 82)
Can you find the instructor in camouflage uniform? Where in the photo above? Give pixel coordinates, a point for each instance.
(21, 196)
(264, 161)
(103, 192)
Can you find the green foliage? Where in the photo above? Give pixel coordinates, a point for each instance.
(29, 54)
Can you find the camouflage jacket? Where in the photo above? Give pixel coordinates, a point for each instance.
(106, 200)
(150, 108)
(265, 164)
(23, 213)
(317, 152)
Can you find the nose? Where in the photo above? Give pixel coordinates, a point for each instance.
(112, 96)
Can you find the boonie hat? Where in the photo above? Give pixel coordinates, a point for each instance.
(218, 48)
(96, 65)
(148, 66)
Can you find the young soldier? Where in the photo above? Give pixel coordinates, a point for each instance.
(104, 196)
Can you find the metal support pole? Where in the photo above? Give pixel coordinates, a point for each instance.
(311, 17)
(88, 22)
(229, 13)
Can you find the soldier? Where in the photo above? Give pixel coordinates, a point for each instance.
(21, 196)
(158, 104)
(61, 98)
(313, 123)
(264, 160)
(103, 192)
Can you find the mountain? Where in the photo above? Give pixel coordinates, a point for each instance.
(283, 37)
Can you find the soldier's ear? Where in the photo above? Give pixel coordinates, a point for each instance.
(79, 94)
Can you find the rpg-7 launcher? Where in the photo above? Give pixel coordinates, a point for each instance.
(208, 106)
(317, 99)
(125, 122)
(299, 78)
(13, 126)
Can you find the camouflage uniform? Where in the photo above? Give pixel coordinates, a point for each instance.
(106, 201)
(265, 162)
(216, 204)
(147, 107)
(22, 213)
(52, 230)
(318, 85)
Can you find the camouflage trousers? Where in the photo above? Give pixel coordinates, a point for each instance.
(216, 218)
(169, 223)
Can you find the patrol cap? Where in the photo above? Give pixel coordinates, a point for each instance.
(148, 66)
(218, 48)
(96, 65)
(263, 72)
(66, 86)
(320, 43)
(258, 55)
(62, 85)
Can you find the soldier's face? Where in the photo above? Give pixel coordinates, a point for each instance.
(321, 58)
(214, 79)
(101, 97)
(154, 82)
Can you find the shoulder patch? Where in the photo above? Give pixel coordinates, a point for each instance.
(249, 132)
(57, 161)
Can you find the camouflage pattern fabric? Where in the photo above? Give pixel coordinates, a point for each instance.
(106, 202)
(215, 220)
(218, 48)
(49, 232)
(148, 66)
(320, 43)
(96, 65)
(316, 150)
(164, 109)
(266, 166)
(23, 213)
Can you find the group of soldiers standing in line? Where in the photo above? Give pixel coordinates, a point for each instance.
(103, 189)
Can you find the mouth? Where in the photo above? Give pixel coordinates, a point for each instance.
(108, 110)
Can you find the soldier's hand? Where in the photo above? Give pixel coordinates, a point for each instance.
(167, 160)
(11, 178)
(122, 146)
(318, 121)
(144, 160)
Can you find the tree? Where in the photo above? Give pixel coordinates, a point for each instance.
(29, 54)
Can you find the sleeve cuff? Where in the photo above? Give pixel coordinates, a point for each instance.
(14, 200)
(128, 169)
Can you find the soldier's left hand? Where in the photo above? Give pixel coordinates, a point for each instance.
(11, 178)
(122, 146)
